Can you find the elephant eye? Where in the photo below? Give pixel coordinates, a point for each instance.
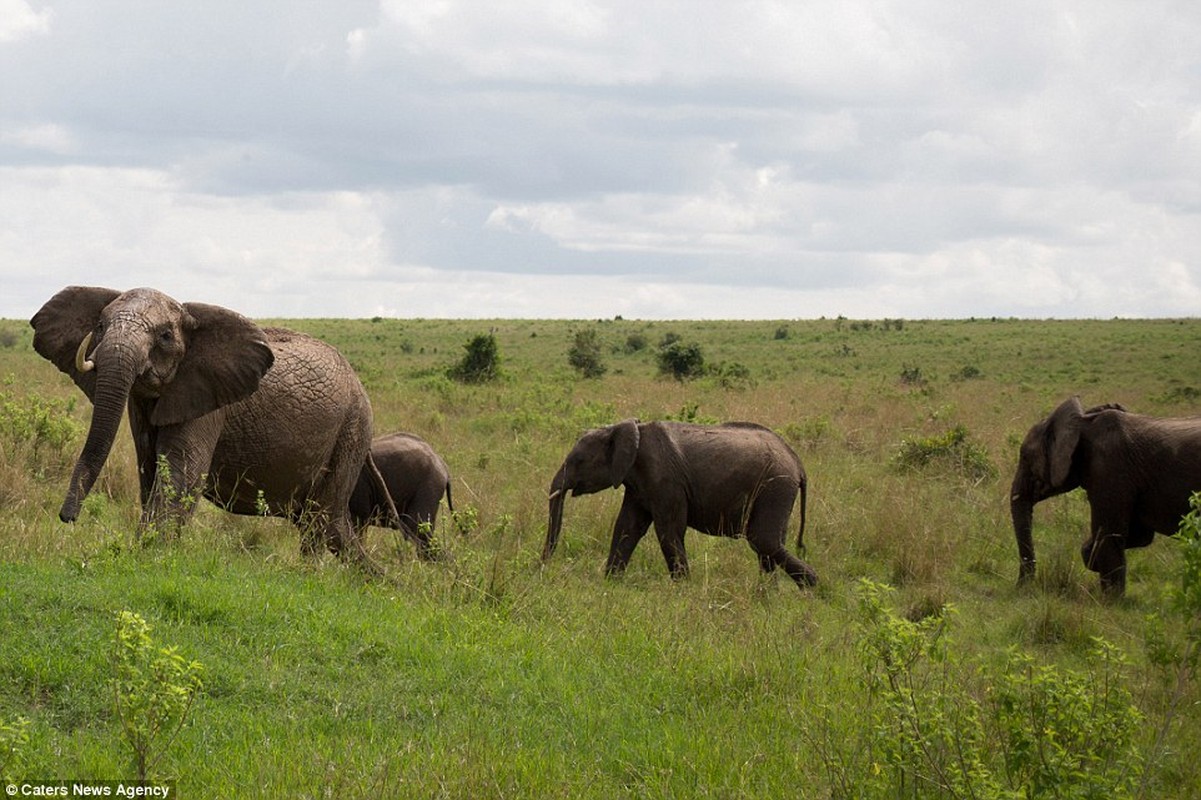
(166, 336)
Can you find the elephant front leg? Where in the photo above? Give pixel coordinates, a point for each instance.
(632, 524)
(176, 474)
(669, 528)
(1105, 554)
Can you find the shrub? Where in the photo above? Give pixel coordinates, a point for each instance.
(967, 373)
(153, 691)
(14, 737)
(585, 354)
(912, 376)
(635, 342)
(733, 375)
(1038, 732)
(952, 449)
(681, 361)
(481, 362)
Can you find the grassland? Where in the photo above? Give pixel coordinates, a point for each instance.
(491, 675)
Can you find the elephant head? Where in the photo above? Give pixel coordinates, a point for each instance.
(1048, 466)
(601, 459)
(173, 362)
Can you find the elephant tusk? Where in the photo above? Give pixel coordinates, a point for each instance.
(555, 494)
(81, 360)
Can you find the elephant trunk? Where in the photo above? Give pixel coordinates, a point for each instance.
(117, 370)
(1021, 508)
(554, 525)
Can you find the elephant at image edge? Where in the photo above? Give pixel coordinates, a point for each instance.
(1137, 471)
(253, 419)
(737, 479)
(416, 477)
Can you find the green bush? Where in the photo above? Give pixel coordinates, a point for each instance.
(585, 354)
(14, 737)
(153, 691)
(1022, 731)
(681, 361)
(951, 449)
(481, 362)
(635, 343)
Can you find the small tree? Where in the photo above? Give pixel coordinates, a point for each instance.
(681, 360)
(585, 354)
(153, 691)
(481, 362)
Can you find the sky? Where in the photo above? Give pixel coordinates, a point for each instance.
(576, 159)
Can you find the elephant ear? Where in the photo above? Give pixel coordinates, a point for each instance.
(61, 324)
(1064, 434)
(226, 356)
(623, 449)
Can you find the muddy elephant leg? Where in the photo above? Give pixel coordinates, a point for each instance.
(633, 521)
(176, 473)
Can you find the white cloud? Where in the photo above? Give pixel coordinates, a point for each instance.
(18, 20)
(862, 156)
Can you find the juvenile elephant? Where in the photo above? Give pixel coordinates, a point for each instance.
(416, 478)
(1137, 471)
(736, 479)
(253, 419)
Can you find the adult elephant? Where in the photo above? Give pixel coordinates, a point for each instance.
(1138, 472)
(737, 479)
(415, 477)
(256, 420)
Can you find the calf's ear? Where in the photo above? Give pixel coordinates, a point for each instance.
(623, 449)
(1064, 434)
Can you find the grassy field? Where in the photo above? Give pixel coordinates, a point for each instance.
(492, 675)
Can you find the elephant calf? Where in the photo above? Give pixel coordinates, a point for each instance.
(1138, 472)
(736, 479)
(416, 477)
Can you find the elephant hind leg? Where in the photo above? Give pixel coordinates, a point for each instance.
(777, 555)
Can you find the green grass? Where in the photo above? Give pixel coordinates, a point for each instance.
(491, 675)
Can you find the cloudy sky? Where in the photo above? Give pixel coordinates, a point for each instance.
(587, 158)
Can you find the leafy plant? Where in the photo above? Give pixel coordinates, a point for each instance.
(952, 448)
(153, 691)
(481, 362)
(1061, 733)
(680, 360)
(37, 421)
(585, 354)
(1067, 734)
(635, 342)
(14, 737)
(1176, 651)
(733, 375)
(912, 376)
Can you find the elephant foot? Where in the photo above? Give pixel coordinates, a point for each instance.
(1113, 584)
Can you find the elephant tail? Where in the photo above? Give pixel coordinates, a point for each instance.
(450, 505)
(803, 485)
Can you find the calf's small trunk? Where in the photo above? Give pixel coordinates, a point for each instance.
(1022, 511)
(554, 523)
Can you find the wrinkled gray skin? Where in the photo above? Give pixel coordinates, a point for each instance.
(1137, 471)
(241, 415)
(416, 478)
(737, 479)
